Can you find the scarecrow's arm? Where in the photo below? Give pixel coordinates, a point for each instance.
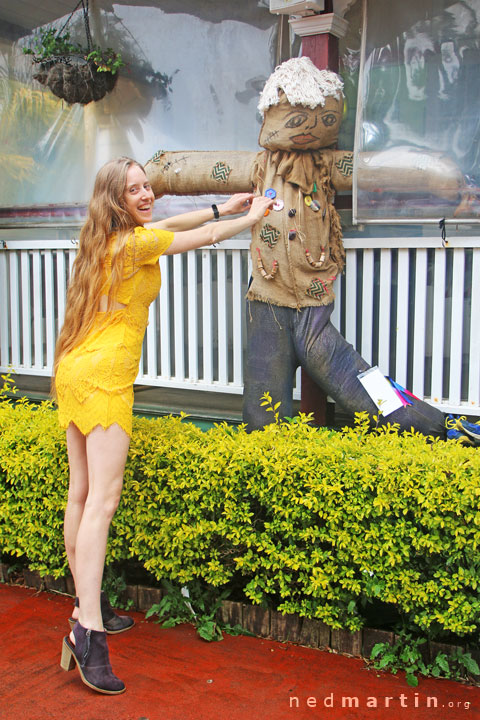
(400, 169)
(200, 172)
(342, 169)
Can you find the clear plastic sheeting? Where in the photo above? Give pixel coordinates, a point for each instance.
(41, 141)
(417, 139)
(194, 72)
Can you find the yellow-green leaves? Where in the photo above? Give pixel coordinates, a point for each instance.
(301, 519)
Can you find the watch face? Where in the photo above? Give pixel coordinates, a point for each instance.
(297, 127)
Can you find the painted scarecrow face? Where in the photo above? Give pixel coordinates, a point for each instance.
(300, 128)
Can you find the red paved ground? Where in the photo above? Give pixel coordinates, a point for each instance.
(173, 675)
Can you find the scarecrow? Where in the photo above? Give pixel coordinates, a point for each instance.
(297, 250)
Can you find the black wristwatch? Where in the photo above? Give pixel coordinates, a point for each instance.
(216, 214)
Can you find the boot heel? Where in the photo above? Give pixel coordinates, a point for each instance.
(67, 661)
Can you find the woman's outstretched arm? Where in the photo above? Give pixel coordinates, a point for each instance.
(216, 232)
(188, 221)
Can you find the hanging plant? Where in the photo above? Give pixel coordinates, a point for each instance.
(74, 73)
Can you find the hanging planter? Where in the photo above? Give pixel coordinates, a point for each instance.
(74, 73)
(75, 79)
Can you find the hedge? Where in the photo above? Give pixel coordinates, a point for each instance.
(303, 520)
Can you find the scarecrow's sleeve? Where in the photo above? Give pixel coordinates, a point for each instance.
(342, 169)
(200, 172)
(402, 169)
(406, 169)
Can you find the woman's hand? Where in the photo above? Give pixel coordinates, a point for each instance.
(260, 205)
(236, 204)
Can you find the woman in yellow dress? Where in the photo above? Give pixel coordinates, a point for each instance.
(116, 276)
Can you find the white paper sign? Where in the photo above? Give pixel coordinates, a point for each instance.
(380, 390)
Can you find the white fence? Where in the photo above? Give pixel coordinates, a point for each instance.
(410, 310)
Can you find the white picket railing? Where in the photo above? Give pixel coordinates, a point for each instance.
(410, 310)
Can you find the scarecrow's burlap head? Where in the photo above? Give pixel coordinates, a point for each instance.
(302, 107)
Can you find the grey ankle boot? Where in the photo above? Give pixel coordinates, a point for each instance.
(90, 653)
(113, 623)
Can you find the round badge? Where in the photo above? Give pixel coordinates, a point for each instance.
(292, 235)
(308, 200)
(270, 193)
(279, 205)
(292, 212)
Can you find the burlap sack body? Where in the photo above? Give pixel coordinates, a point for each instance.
(296, 283)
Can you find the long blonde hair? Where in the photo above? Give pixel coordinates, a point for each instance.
(106, 214)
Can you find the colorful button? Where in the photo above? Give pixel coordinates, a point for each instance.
(308, 200)
(315, 206)
(292, 212)
(270, 193)
(279, 205)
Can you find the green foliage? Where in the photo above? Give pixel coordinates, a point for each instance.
(298, 519)
(267, 403)
(106, 60)
(406, 655)
(50, 47)
(8, 388)
(114, 585)
(197, 604)
(33, 485)
(50, 44)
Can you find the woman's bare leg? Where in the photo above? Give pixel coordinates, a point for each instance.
(77, 494)
(106, 452)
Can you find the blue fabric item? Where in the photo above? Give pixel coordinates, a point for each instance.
(279, 339)
(469, 428)
(454, 434)
(458, 428)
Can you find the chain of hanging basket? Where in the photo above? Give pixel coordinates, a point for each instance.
(84, 4)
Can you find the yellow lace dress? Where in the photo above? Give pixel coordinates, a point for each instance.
(94, 381)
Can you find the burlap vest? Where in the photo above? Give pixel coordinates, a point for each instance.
(297, 250)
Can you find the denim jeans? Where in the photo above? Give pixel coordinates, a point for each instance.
(279, 339)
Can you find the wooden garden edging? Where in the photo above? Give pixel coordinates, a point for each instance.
(260, 622)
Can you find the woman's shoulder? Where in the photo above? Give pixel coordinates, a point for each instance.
(145, 244)
(140, 246)
(147, 233)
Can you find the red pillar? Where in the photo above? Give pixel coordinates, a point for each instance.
(322, 51)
